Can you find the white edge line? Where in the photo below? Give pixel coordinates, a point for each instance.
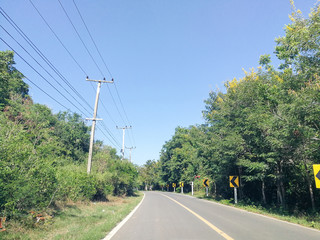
(254, 213)
(259, 214)
(117, 228)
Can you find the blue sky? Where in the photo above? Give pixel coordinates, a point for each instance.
(165, 57)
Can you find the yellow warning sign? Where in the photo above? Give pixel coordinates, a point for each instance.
(234, 181)
(206, 182)
(316, 171)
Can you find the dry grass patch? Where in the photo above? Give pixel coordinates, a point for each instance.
(80, 220)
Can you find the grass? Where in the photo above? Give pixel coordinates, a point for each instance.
(80, 220)
(304, 219)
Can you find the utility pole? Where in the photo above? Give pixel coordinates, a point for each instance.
(123, 133)
(130, 152)
(94, 119)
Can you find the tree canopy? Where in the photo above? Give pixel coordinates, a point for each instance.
(264, 128)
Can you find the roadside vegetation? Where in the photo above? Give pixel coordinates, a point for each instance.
(264, 128)
(77, 220)
(43, 157)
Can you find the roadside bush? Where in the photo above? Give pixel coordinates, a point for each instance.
(27, 179)
(104, 186)
(75, 184)
(124, 176)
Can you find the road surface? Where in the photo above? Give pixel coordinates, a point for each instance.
(166, 216)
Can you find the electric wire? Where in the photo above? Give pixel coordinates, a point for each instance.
(37, 50)
(68, 109)
(111, 135)
(26, 38)
(106, 137)
(58, 39)
(93, 58)
(85, 46)
(46, 93)
(41, 76)
(84, 23)
(44, 68)
(104, 62)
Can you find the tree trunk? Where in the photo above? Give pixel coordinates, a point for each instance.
(240, 185)
(310, 186)
(311, 195)
(283, 193)
(264, 200)
(279, 194)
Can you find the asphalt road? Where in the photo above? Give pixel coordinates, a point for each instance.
(165, 216)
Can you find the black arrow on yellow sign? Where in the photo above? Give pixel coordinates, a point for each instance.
(206, 182)
(234, 181)
(316, 171)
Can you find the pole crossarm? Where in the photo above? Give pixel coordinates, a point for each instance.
(130, 147)
(102, 81)
(94, 119)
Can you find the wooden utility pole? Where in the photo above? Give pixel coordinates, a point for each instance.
(123, 133)
(94, 119)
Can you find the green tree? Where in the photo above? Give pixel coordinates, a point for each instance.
(10, 79)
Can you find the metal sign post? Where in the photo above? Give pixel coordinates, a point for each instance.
(174, 187)
(181, 185)
(234, 182)
(192, 188)
(206, 184)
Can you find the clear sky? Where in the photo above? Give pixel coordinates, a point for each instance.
(164, 55)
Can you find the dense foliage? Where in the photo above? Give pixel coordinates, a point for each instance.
(264, 128)
(43, 155)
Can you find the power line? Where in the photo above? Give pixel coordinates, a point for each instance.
(47, 94)
(41, 75)
(107, 137)
(58, 38)
(115, 104)
(110, 134)
(91, 54)
(118, 145)
(85, 46)
(125, 114)
(26, 38)
(92, 38)
(42, 67)
(37, 50)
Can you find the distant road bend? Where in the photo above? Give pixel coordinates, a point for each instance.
(164, 215)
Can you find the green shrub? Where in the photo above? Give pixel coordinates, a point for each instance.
(75, 184)
(104, 186)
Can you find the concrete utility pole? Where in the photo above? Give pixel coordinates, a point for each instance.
(130, 152)
(123, 133)
(94, 119)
